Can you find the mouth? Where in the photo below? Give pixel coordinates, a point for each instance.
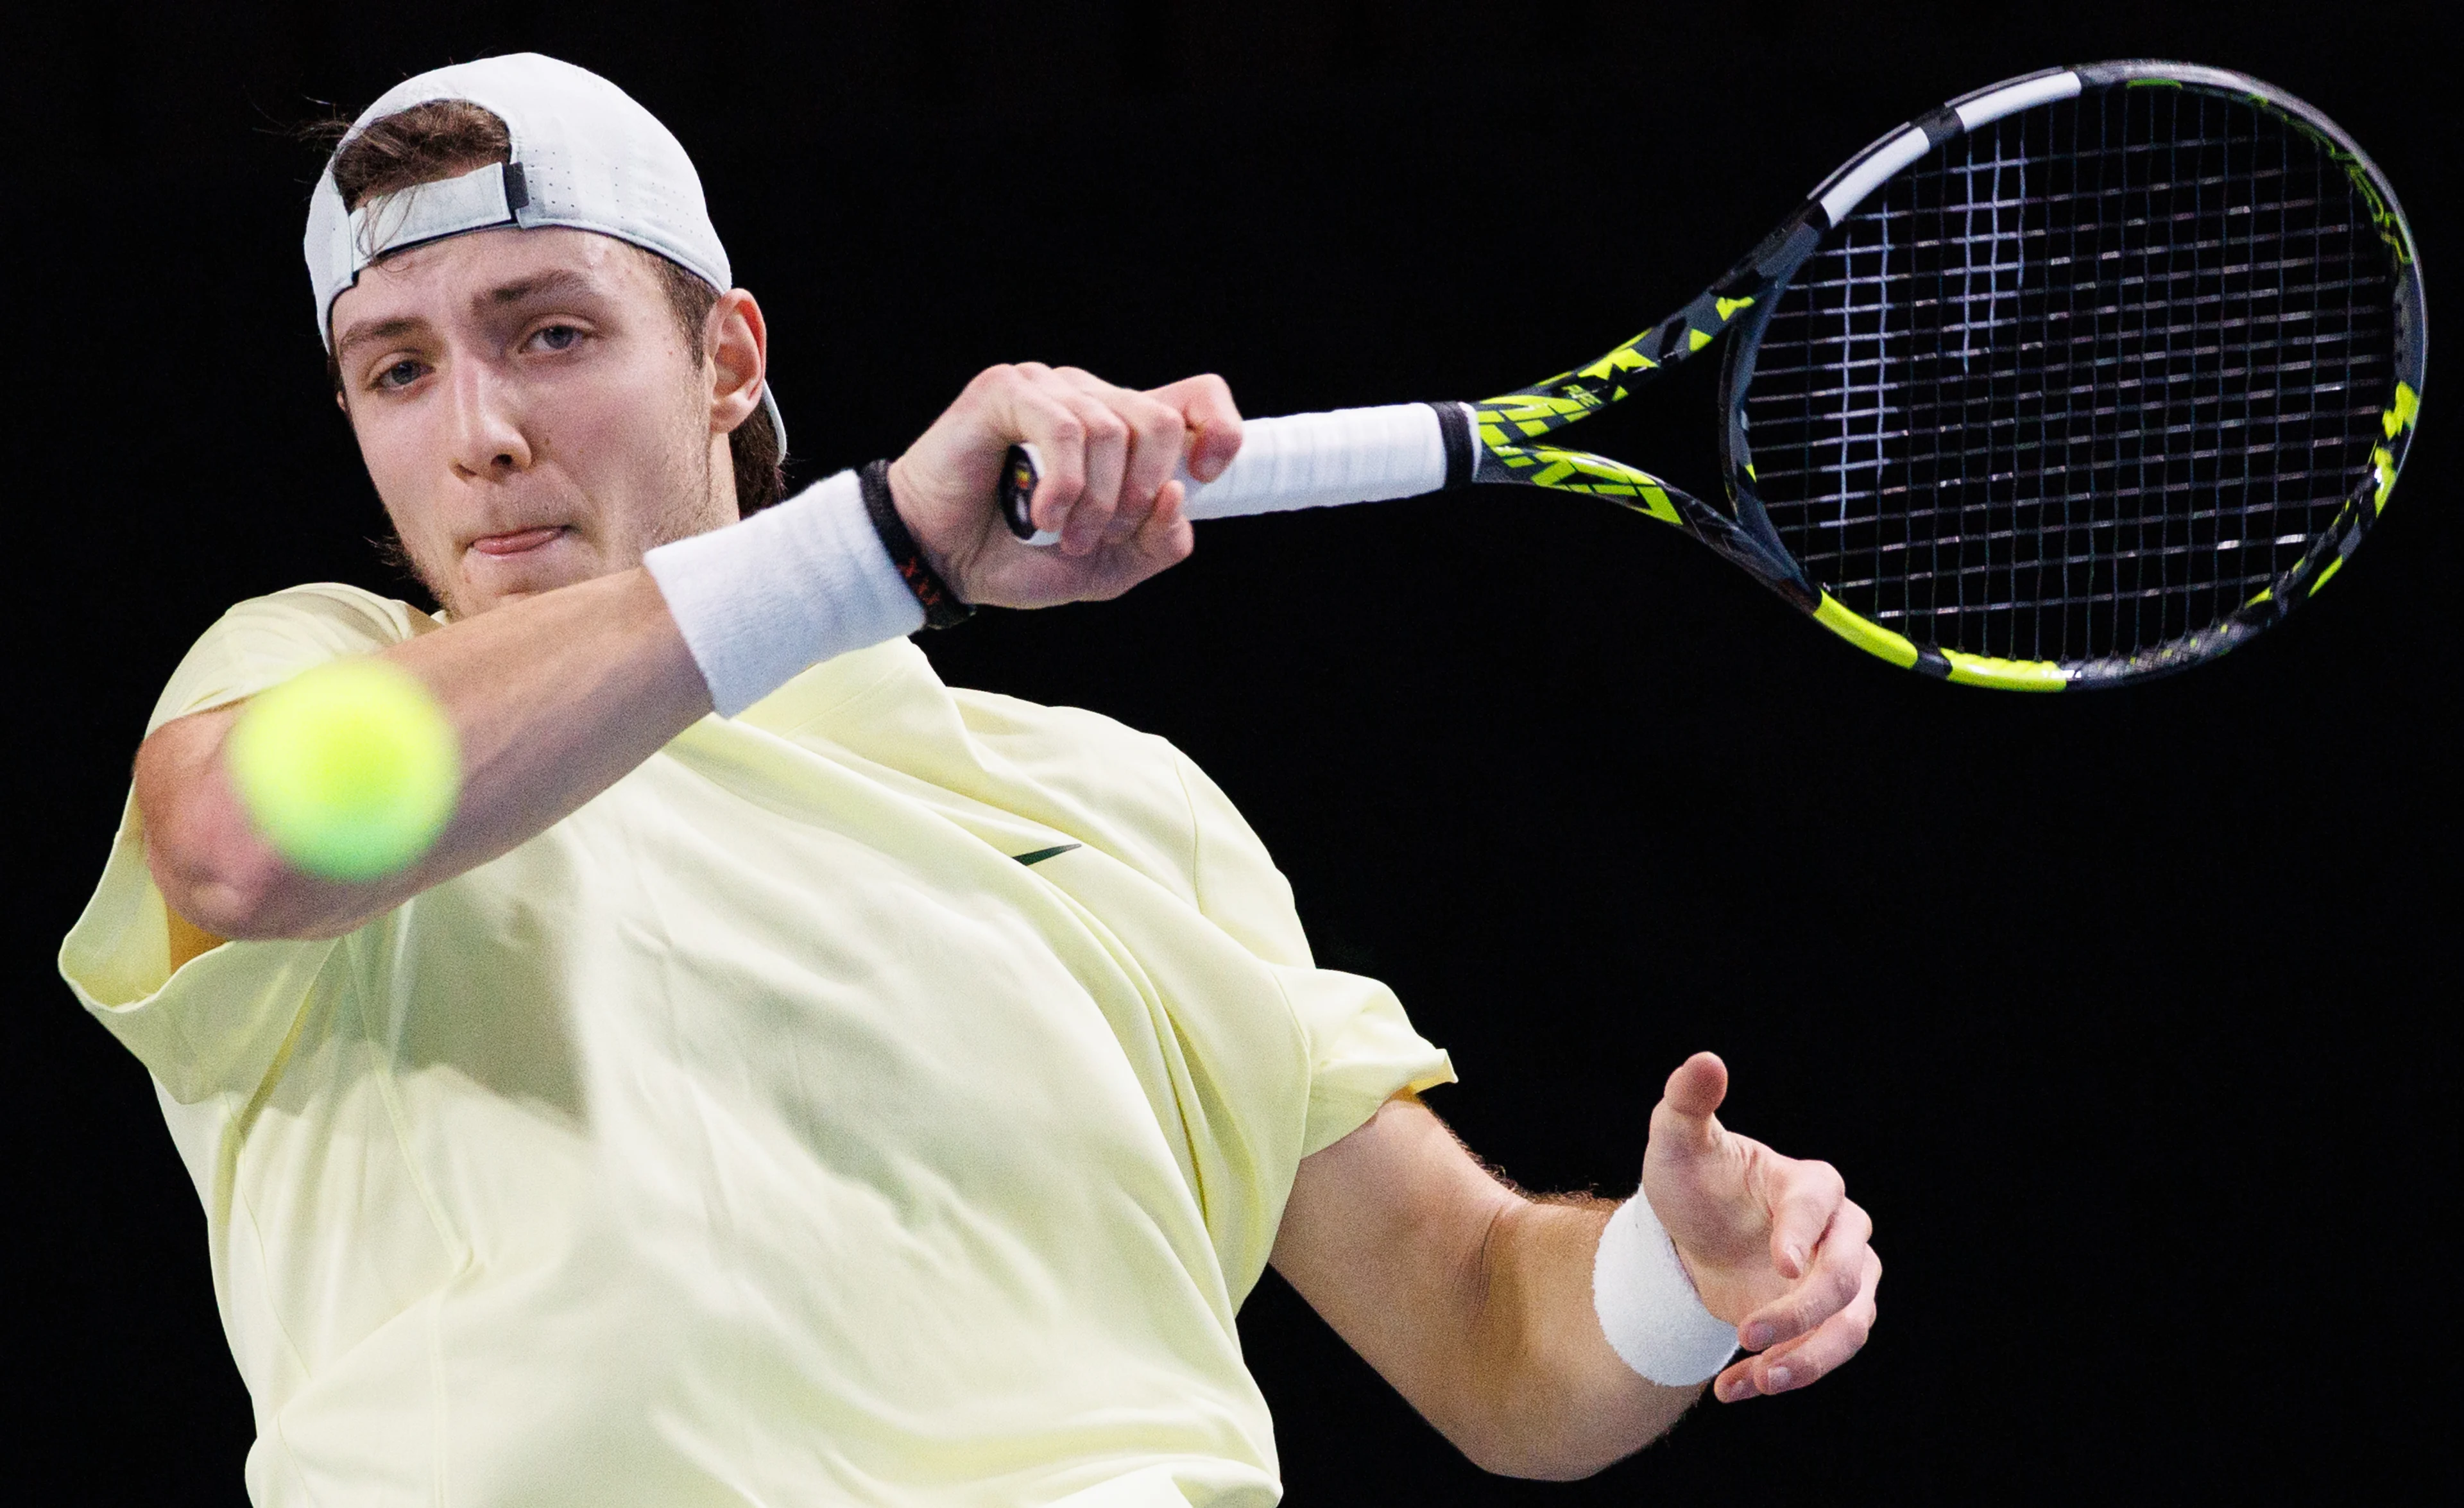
(521, 542)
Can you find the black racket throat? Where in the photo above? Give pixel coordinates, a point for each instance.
(1463, 449)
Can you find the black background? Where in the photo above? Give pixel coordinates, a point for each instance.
(2122, 1013)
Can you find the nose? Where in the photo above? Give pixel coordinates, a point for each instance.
(487, 436)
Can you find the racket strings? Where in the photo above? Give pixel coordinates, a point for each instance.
(2085, 381)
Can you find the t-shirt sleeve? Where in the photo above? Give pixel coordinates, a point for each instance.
(217, 1024)
(1363, 1050)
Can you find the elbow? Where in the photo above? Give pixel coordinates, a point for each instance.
(240, 889)
(230, 889)
(208, 862)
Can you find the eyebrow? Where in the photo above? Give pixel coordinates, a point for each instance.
(556, 282)
(364, 332)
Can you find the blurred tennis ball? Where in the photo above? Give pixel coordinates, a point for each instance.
(351, 769)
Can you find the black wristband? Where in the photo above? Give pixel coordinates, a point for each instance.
(941, 605)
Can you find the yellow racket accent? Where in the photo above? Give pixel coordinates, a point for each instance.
(2401, 414)
(1580, 471)
(1866, 634)
(2006, 674)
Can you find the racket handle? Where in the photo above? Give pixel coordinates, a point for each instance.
(1301, 460)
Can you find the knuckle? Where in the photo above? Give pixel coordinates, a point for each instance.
(1158, 419)
(1206, 389)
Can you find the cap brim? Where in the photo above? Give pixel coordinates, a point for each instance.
(777, 420)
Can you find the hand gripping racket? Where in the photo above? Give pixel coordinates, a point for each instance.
(2077, 380)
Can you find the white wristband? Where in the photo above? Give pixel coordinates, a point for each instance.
(789, 587)
(1647, 1305)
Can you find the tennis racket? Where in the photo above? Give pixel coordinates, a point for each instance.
(2079, 379)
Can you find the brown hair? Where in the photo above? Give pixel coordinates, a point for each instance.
(443, 138)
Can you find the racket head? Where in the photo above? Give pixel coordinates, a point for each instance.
(2081, 380)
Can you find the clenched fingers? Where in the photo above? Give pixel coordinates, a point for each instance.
(1108, 462)
(1134, 444)
(1081, 439)
(1795, 1364)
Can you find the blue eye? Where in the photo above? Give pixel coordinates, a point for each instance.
(401, 374)
(558, 337)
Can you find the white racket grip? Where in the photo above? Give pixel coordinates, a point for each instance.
(1323, 460)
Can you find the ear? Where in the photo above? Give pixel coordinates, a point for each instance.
(736, 341)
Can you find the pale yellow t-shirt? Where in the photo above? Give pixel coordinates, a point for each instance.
(765, 1131)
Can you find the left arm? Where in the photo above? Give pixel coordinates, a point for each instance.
(1475, 1301)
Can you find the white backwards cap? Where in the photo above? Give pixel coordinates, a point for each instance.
(586, 155)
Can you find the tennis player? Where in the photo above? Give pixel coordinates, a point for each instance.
(790, 1080)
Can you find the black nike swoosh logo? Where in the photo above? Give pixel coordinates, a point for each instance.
(1040, 855)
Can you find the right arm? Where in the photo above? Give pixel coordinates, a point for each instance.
(554, 699)
(558, 696)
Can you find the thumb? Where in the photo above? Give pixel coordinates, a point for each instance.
(1683, 1121)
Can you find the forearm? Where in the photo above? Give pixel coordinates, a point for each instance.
(554, 699)
(1543, 1394)
(1473, 1300)
(1477, 1302)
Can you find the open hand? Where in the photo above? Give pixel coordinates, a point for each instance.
(1774, 1245)
(1108, 456)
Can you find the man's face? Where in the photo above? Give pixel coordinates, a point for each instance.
(529, 412)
